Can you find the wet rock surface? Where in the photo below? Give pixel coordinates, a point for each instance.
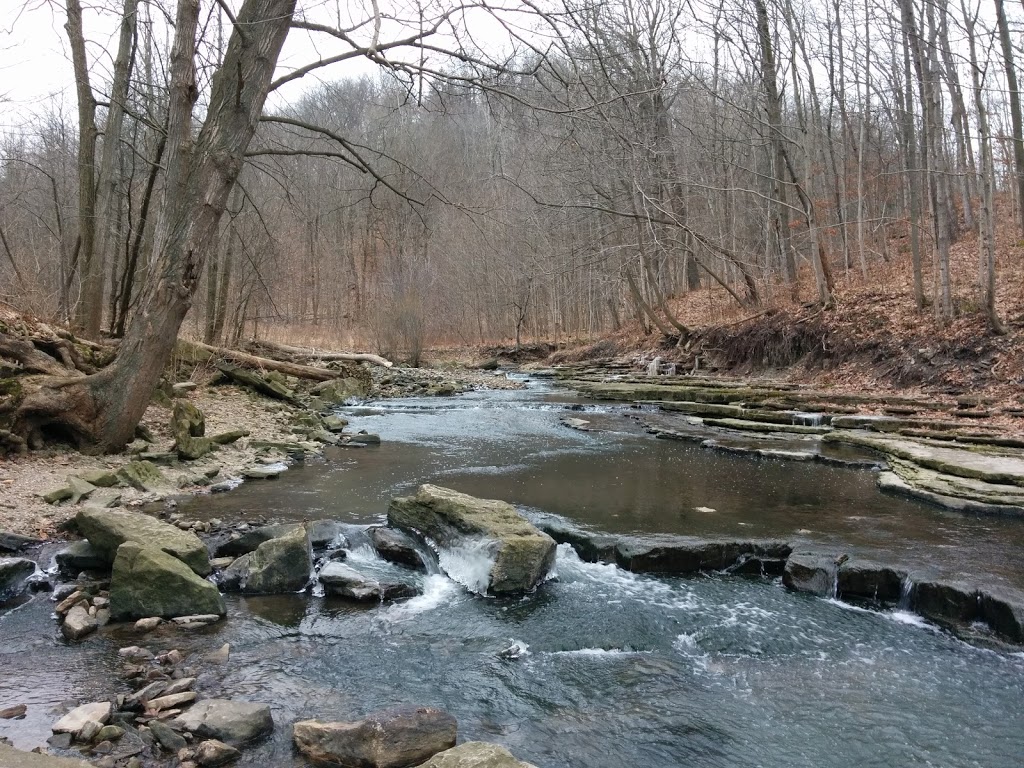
(391, 739)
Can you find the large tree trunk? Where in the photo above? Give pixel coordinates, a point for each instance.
(103, 410)
(87, 134)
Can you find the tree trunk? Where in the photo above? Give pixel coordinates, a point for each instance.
(87, 135)
(103, 410)
(1015, 109)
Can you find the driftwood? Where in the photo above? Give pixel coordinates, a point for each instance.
(307, 352)
(266, 363)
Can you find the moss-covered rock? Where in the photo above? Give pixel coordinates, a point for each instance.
(149, 582)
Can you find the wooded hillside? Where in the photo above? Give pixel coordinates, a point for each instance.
(585, 166)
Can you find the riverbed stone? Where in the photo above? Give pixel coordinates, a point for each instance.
(685, 555)
(947, 603)
(867, 580)
(247, 542)
(166, 736)
(395, 547)
(279, 565)
(107, 529)
(590, 546)
(148, 582)
(811, 572)
(391, 739)
(78, 623)
(75, 720)
(212, 752)
(1004, 613)
(80, 556)
(14, 572)
(522, 555)
(476, 754)
(15, 542)
(345, 581)
(233, 722)
(324, 534)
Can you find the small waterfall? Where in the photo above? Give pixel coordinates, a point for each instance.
(654, 367)
(804, 419)
(470, 564)
(906, 593)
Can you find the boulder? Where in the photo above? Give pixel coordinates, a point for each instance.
(392, 739)
(107, 529)
(14, 572)
(80, 489)
(395, 547)
(521, 556)
(80, 556)
(339, 579)
(683, 554)
(811, 572)
(334, 423)
(233, 722)
(149, 582)
(75, 720)
(866, 580)
(78, 623)
(278, 565)
(475, 754)
(248, 541)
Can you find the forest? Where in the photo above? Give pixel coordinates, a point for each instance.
(551, 171)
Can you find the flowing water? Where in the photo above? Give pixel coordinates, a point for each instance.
(613, 669)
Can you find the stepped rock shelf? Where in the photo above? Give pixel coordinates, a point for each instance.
(973, 612)
(938, 452)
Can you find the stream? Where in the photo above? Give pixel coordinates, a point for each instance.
(618, 669)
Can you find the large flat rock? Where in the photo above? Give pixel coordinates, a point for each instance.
(521, 555)
(108, 529)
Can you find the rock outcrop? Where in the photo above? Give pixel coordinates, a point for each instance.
(521, 555)
(811, 572)
(392, 739)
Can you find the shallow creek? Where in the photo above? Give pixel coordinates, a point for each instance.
(620, 669)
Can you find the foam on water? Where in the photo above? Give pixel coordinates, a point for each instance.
(438, 591)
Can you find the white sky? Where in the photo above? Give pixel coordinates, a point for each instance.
(35, 66)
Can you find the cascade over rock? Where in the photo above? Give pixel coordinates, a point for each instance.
(521, 554)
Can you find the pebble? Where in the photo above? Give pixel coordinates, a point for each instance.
(146, 625)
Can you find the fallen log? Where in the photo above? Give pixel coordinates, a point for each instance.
(265, 363)
(355, 357)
